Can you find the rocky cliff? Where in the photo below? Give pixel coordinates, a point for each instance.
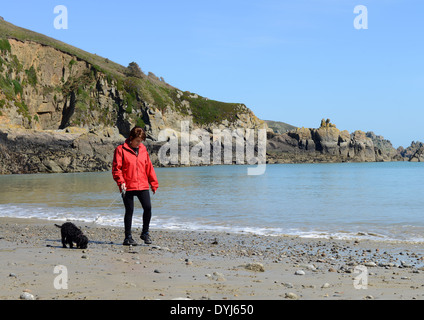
(415, 152)
(328, 144)
(75, 150)
(44, 88)
(61, 98)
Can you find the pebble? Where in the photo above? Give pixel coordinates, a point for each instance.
(255, 266)
(27, 296)
(308, 266)
(300, 273)
(325, 285)
(156, 271)
(219, 276)
(308, 286)
(370, 264)
(292, 296)
(288, 285)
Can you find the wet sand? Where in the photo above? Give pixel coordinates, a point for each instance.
(203, 266)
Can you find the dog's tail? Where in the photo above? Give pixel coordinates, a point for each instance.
(57, 225)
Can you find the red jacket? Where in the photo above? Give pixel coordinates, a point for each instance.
(136, 172)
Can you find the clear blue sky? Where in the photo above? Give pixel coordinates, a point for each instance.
(294, 61)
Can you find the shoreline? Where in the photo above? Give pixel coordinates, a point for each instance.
(203, 265)
(260, 231)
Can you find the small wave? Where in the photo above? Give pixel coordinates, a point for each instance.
(358, 236)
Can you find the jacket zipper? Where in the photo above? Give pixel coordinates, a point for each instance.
(136, 165)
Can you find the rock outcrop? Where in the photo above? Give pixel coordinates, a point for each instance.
(327, 144)
(414, 153)
(72, 150)
(418, 156)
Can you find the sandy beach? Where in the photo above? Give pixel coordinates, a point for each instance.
(202, 266)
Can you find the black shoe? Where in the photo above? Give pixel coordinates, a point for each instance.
(146, 238)
(129, 241)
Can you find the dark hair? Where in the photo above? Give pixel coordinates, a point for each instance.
(137, 132)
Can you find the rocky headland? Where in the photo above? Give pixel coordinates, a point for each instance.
(329, 144)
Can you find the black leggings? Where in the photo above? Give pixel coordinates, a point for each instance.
(144, 197)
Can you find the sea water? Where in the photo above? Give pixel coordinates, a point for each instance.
(343, 200)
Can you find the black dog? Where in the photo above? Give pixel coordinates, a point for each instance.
(71, 233)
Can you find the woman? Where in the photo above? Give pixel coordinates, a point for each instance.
(133, 172)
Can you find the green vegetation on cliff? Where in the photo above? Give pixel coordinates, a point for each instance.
(279, 127)
(137, 89)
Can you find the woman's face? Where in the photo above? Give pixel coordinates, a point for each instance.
(135, 143)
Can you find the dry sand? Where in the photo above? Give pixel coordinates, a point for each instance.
(202, 265)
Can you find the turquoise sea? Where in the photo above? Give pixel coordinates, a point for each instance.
(344, 200)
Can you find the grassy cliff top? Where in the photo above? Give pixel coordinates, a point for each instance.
(279, 127)
(154, 90)
(8, 30)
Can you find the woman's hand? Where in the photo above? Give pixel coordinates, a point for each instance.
(123, 188)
